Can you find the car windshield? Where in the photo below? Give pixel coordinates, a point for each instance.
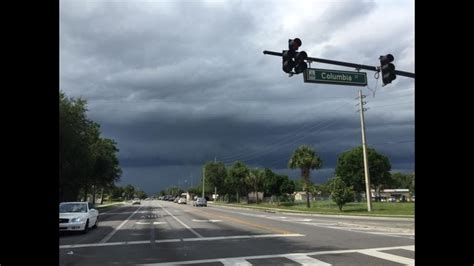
(72, 207)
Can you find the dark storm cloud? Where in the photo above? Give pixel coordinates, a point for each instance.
(180, 83)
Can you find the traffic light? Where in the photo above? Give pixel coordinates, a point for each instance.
(293, 59)
(288, 62)
(387, 69)
(294, 44)
(300, 63)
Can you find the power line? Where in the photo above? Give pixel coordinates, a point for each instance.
(280, 140)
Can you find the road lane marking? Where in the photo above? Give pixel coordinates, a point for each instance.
(275, 218)
(159, 222)
(143, 223)
(390, 257)
(306, 260)
(358, 230)
(118, 243)
(411, 261)
(239, 262)
(177, 240)
(111, 213)
(118, 227)
(240, 237)
(206, 221)
(179, 221)
(266, 228)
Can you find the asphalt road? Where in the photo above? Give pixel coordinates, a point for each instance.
(164, 233)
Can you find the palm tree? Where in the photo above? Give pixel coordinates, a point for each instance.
(254, 179)
(305, 158)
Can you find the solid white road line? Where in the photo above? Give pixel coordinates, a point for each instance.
(390, 257)
(240, 237)
(306, 260)
(118, 243)
(411, 248)
(106, 238)
(179, 221)
(239, 262)
(206, 221)
(177, 240)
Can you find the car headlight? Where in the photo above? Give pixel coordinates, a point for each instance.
(76, 220)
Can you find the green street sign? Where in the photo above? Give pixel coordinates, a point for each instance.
(329, 76)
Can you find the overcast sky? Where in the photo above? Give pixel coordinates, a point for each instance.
(179, 83)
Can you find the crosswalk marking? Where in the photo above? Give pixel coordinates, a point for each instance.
(306, 260)
(303, 258)
(239, 262)
(390, 257)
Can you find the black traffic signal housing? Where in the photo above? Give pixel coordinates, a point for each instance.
(293, 59)
(288, 61)
(387, 69)
(301, 65)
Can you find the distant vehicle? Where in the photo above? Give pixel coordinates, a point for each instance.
(136, 201)
(176, 199)
(200, 202)
(182, 200)
(77, 216)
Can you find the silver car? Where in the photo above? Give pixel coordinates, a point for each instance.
(200, 202)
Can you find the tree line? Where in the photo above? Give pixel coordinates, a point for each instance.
(347, 185)
(88, 163)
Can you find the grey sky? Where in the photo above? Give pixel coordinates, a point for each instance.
(177, 83)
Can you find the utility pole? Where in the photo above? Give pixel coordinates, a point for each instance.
(203, 179)
(364, 148)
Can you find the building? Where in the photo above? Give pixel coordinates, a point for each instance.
(301, 195)
(392, 195)
(252, 196)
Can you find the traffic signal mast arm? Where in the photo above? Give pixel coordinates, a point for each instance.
(346, 64)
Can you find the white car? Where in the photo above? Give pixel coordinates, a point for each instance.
(136, 201)
(77, 216)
